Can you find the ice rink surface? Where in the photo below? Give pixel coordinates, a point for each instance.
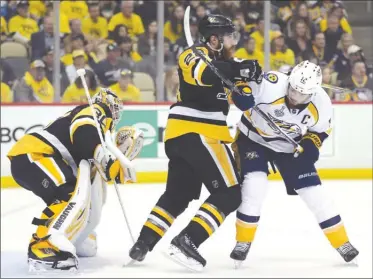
(289, 242)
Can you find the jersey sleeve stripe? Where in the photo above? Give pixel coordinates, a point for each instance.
(78, 123)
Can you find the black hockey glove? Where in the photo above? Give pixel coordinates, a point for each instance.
(247, 70)
(310, 144)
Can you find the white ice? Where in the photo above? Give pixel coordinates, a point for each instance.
(289, 242)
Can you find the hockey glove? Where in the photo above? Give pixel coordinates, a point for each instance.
(245, 100)
(108, 169)
(247, 70)
(311, 144)
(130, 141)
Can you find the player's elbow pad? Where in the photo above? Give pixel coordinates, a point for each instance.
(243, 102)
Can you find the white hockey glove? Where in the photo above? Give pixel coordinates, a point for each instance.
(130, 141)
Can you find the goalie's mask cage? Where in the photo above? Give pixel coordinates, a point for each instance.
(109, 98)
(216, 25)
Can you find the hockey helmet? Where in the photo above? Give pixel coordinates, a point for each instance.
(217, 25)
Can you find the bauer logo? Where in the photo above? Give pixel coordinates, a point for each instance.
(147, 122)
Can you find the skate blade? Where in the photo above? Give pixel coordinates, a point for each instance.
(130, 263)
(40, 267)
(237, 264)
(176, 256)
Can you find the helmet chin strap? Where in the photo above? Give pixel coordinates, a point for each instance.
(217, 50)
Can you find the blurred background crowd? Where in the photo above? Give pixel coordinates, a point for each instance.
(116, 42)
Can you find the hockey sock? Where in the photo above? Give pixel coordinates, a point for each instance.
(335, 231)
(246, 226)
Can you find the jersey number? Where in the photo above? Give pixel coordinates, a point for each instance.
(100, 118)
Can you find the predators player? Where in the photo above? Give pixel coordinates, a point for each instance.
(300, 107)
(53, 164)
(195, 142)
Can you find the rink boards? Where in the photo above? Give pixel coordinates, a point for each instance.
(347, 154)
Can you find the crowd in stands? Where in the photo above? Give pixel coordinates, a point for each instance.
(116, 42)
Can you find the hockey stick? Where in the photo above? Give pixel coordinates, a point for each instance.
(122, 159)
(231, 85)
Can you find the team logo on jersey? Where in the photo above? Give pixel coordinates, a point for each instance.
(289, 128)
(271, 77)
(280, 112)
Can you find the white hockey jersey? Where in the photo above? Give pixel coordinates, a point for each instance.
(313, 118)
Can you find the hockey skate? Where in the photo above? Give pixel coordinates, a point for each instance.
(43, 256)
(184, 252)
(139, 251)
(348, 252)
(240, 252)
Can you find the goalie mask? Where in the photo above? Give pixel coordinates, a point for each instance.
(304, 81)
(109, 98)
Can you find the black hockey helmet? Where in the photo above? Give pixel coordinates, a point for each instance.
(217, 25)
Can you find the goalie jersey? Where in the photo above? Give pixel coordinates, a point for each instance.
(312, 120)
(202, 105)
(73, 136)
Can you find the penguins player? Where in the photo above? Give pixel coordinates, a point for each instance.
(54, 164)
(195, 143)
(303, 110)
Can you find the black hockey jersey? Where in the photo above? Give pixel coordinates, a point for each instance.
(72, 137)
(202, 105)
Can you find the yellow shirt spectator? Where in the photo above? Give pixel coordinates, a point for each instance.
(259, 39)
(126, 91)
(244, 54)
(170, 34)
(25, 26)
(67, 59)
(133, 23)
(97, 29)
(64, 23)
(74, 9)
(6, 93)
(73, 94)
(42, 90)
(343, 23)
(37, 8)
(3, 26)
(281, 58)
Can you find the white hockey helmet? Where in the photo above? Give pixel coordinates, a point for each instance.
(304, 81)
(109, 98)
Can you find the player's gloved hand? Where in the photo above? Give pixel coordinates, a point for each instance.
(248, 70)
(243, 99)
(311, 150)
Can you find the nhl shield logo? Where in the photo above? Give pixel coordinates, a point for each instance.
(280, 112)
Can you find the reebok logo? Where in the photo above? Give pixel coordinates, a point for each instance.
(305, 175)
(64, 215)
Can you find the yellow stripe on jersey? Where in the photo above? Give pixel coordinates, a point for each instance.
(313, 110)
(222, 160)
(164, 214)
(207, 228)
(154, 228)
(30, 144)
(177, 127)
(49, 166)
(279, 101)
(336, 235)
(245, 232)
(213, 211)
(78, 123)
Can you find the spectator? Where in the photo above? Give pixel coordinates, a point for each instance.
(319, 48)
(240, 28)
(6, 93)
(126, 91)
(258, 35)
(147, 42)
(8, 75)
(21, 25)
(201, 12)
(173, 28)
(8, 9)
(226, 8)
(147, 10)
(181, 44)
(76, 30)
(42, 40)
(280, 53)
(300, 12)
(149, 63)
(285, 12)
(319, 10)
(64, 21)
(94, 26)
(127, 53)
(107, 8)
(48, 57)
(34, 86)
(329, 77)
(359, 83)
(37, 10)
(332, 36)
(78, 63)
(76, 42)
(341, 61)
(338, 11)
(127, 17)
(108, 69)
(120, 31)
(74, 9)
(355, 53)
(252, 10)
(248, 51)
(3, 29)
(300, 43)
(75, 93)
(171, 83)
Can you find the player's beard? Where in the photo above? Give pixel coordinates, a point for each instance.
(228, 53)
